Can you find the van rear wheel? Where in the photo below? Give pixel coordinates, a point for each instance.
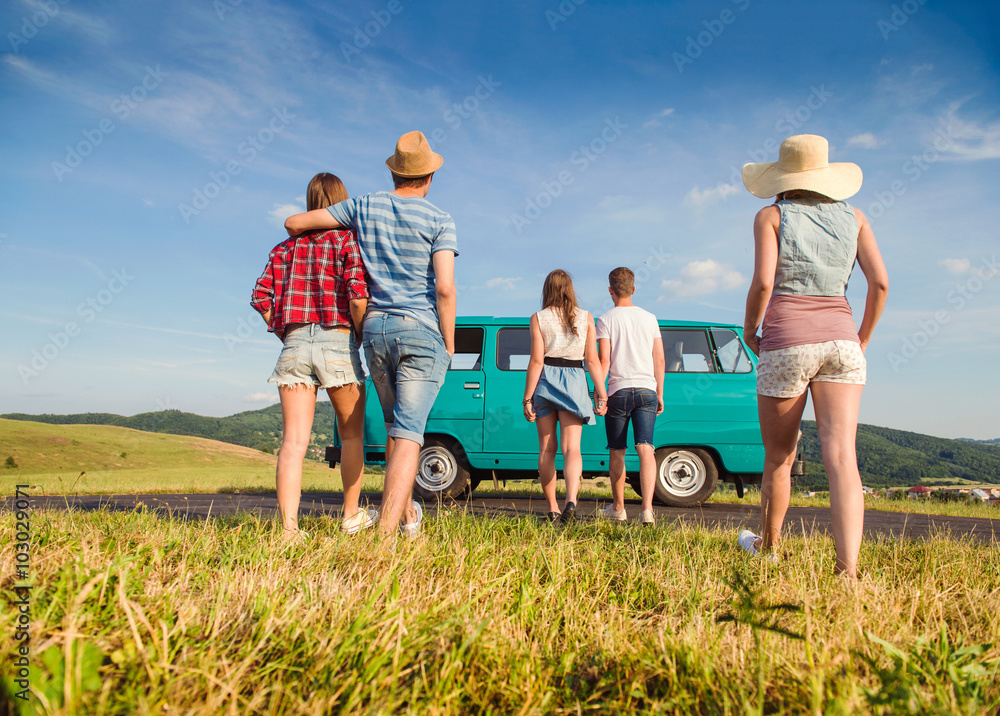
(685, 477)
(440, 474)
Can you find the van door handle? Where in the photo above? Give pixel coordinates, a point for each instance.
(472, 386)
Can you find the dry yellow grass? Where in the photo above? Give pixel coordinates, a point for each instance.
(134, 613)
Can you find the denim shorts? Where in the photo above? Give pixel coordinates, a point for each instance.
(318, 356)
(787, 372)
(407, 362)
(640, 405)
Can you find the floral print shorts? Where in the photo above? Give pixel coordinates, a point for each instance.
(787, 372)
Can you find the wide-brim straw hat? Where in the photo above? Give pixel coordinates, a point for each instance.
(413, 157)
(803, 163)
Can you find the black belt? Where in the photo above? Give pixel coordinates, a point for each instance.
(563, 363)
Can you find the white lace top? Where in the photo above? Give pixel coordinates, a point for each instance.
(559, 343)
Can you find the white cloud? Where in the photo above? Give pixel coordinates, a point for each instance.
(866, 141)
(700, 198)
(703, 277)
(956, 266)
(261, 398)
(508, 284)
(967, 140)
(280, 212)
(655, 121)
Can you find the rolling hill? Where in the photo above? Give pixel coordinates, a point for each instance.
(886, 457)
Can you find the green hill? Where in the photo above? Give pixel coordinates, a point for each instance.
(71, 449)
(891, 458)
(886, 457)
(258, 429)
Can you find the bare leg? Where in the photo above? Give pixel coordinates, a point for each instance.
(647, 473)
(616, 471)
(779, 429)
(298, 404)
(400, 472)
(572, 427)
(548, 444)
(837, 406)
(349, 405)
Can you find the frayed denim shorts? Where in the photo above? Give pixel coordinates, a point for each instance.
(320, 356)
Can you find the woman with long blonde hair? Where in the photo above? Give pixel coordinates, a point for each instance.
(313, 295)
(563, 342)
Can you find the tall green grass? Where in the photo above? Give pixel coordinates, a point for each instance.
(136, 613)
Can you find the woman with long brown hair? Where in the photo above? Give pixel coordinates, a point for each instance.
(563, 341)
(313, 295)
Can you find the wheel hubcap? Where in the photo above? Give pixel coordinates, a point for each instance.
(683, 473)
(437, 469)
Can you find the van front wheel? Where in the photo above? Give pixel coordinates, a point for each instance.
(439, 472)
(685, 477)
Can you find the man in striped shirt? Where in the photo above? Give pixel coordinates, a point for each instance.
(408, 246)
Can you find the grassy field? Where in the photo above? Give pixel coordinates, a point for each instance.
(135, 613)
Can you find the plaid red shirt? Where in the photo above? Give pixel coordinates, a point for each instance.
(311, 278)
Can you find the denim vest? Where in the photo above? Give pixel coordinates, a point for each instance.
(817, 247)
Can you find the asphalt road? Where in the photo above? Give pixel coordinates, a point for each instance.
(714, 515)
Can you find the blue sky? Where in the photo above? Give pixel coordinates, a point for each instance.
(152, 150)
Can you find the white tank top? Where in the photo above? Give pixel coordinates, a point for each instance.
(559, 343)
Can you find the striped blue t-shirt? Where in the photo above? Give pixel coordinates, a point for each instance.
(397, 236)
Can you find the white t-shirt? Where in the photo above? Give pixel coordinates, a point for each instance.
(632, 332)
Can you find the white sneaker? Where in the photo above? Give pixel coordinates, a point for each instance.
(610, 513)
(647, 517)
(360, 520)
(746, 542)
(412, 529)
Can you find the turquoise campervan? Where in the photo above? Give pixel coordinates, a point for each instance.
(476, 430)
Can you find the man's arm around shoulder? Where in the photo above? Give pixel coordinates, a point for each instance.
(311, 221)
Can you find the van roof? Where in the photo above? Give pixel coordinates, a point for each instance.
(523, 321)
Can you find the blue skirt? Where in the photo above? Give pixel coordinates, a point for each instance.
(563, 389)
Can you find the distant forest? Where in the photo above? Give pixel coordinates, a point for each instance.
(894, 458)
(886, 457)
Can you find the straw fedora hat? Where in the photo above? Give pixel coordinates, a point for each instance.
(413, 157)
(803, 163)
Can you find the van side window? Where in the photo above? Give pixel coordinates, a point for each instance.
(732, 357)
(468, 349)
(687, 351)
(513, 348)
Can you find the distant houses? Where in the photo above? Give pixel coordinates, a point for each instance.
(989, 495)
